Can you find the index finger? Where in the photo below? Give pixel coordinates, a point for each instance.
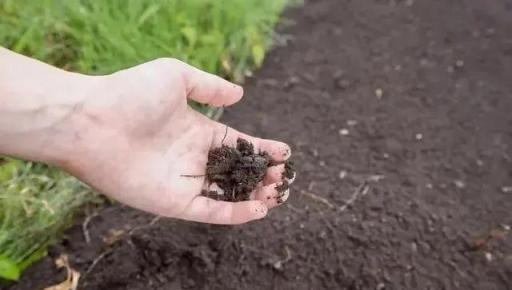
(225, 135)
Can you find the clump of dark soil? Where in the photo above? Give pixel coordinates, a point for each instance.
(238, 170)
(289, 170)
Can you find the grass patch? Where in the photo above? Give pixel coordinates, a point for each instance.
(225, 37)
(36, 203)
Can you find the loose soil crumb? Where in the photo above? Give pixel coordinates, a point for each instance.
(283, 187)
(237, 171)
(289, 170)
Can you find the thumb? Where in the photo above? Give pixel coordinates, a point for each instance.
(210, 89)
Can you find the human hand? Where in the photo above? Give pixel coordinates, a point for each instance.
(135, 138)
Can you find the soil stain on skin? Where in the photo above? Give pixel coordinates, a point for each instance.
(238, 171)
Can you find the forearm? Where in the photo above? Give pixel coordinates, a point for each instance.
(37, 103)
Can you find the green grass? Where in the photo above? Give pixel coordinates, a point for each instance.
(225, 37)
(36, 203)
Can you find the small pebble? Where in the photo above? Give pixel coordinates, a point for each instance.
(351, 123)
(294, 80)
(343, 84)
(379, 93)
(278, 265)
(459, 63)
(344, 132)
(342, 174)
(419, 136)
(506, 189)
(459, 183)
(376, 178)
(488, 256)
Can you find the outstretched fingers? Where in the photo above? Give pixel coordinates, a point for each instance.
(278, 151)
(207, 210)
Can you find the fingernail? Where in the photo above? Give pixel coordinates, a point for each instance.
(239, 90)
(282, 198)
(291, 180)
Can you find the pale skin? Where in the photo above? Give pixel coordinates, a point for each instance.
(131, 134)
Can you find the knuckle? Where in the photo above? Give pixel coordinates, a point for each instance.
(171, 63)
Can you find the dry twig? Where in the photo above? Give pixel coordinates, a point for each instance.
(361, 190)
(85, 226)
(317, 198)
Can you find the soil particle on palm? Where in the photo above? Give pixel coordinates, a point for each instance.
(237, 171)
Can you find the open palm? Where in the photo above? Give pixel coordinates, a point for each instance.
(140, 139)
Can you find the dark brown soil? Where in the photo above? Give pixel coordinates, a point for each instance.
(237, 171)
(289, 170)
(399, 116)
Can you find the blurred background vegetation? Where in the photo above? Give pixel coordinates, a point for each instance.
(225, 37)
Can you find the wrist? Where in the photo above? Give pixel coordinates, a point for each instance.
(64, 131)
(37, 119)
